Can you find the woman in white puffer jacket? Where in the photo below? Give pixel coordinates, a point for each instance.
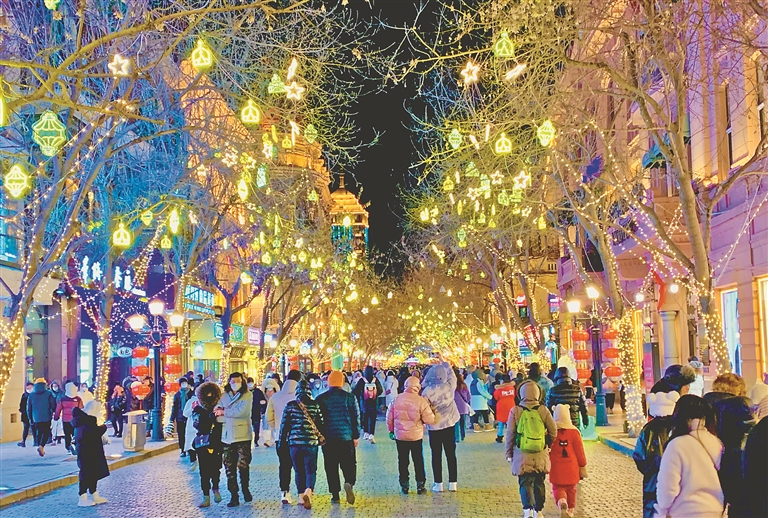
(439, 387)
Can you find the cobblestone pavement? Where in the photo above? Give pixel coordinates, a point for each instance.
(163, 487)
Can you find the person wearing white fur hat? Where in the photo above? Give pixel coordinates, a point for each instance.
(89, 430)
(652, 442)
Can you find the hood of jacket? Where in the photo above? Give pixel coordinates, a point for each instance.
(413, 385)
(80, 418)
(39, 387)
(270, 383)
(478, 374)
(289, 386)
(436, 375)
(303, 391)
(529, 392)
(70, 390)
(368, 374)
(208, 393)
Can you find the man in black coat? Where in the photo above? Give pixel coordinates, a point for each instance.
(177, 414)
(41, 404)
(257, 410)
(24, 415)
(341, 415)
(566, 392)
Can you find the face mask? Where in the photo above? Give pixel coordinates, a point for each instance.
(250, 385)
(184, 385)
(235, 386)
(29, 391)
(53, 388)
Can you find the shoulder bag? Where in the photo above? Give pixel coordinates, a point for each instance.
(320, 437)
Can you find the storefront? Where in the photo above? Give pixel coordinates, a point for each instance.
(205, 348)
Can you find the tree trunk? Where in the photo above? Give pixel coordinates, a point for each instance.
(713, 325)
(631, 375)
(226, 321)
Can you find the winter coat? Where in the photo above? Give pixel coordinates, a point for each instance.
(65, 406)
(462, 399)
(505, 401)
(524, 462)
(189, 431)
(360, 389)
(40, 404)
(649, 448)
(179, 402)
(756, 469)
(479, 395)
(205, 422)
(259, 405)
(734, 421)
(237, 416)
(566, 456)
(295, 426)
(438, 387)
(341, 415)
(408, 414)
(545, 384)
(277, 402)
(390, 389)
(117, 405)
(23, 407)
(688, 484)
(90, 448)
(697, 387)
(568, 393)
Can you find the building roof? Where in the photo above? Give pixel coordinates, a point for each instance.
(345, 202)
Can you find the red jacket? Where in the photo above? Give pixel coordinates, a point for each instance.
(65, 406)
(505, 401)
(567, 456)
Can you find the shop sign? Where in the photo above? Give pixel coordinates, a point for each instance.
(237, 333)
(198, 300)
(124, 352)
(305, 349)
(218, 330)
(198, 351)
(254, 334)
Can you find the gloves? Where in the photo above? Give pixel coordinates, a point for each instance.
(392, 435)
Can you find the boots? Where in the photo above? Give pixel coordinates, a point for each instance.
(234, 500)
(216, 496)
(476, 427)
(488, 427)
(244, 480)
(421, 487)
(97, 499)
(84, 501)
(206, 502)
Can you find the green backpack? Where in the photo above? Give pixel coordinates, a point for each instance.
(531, 431)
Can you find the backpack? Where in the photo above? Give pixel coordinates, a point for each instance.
(369, 391)
(531, 431)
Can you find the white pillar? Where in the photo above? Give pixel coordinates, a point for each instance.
(669, 335)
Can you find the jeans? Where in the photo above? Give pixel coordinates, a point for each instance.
(500, 426)
(69, 432)
(566, 492)
(117, 424)
(256, 423)
(339, 454)
(369, 419)
(440, 440)
(25, 433)
(88, 485)
(532, 490)
(460, 428)
(42, 432)
(404, 448)
(304, 458)
(478, 414)
(285, 465)
(210, 470)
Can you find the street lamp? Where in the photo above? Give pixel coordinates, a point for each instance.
(574, 306)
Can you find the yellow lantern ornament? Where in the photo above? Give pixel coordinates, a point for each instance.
(250, 113)
(276, 85)
(202, 57)
(16, 182)
(310, 133)
(49, 133)
(146, 217)
(504, 48)
(546, 133)
(174, 221)
(242, 189)
(503, 145)
(121, 237)
(166, 243)
(455, 138)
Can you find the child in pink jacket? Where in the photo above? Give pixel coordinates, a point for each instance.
(406, 418)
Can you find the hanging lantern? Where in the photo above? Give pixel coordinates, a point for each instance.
(121, 237)
(250, 113)
(310, 133)
(172, 386)
(276, 85)
(140, 371)
(455, 138)
(496, 360)
(497, 351)
(166, 243)
(611, 353)
(146, 217)
(613, 371)
(174, 221)
(504, 48)
(140, 352)
(141, 391)
(173, 349)
(173, 368)
(546, 133)
(49, 133)
(202, 57)
(610, 334)
(16, 182)
(580, 335)
(581, 354)
(583, 374)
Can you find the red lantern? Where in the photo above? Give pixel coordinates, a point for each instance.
(173, 350)
(583, 373)
(141, 391)
(497, 351)
(172, 386)
(140, 371)
(172, 368)
(497, 360)
(140, 352)
(580, 335)
(581, 354)
(610, 334)
(612, 353)
(613, 371)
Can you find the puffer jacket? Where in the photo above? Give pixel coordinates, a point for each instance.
(505, 400)
(40, 404)
(524, 462)
(462, 399)
(341, 415)
(568, 393)
(278, 401)
(237, 416)
(204, 422)
(479, 396)
(295, 426)
(649, 447)
(439, 387)
(409, 413)
(65, 406)
(90, 447)
(359, 389)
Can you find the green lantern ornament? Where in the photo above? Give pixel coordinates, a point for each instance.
(49, 133)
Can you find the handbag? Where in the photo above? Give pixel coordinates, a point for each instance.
(320, 437)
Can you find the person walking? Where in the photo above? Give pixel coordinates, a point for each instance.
(531, 431)
(180, 399)
(269, 388)
(235, 409)
(390, 388)
(462, 398)
(688, 483)
(301, 429)
(257, 410)
(545, 384)
(439, 387)
(190, 432)
(566, 391)
(697, 387)
(41, 404)
(569, 463)
(117, 406)
(368, 389)
(479, 398)
(64, 408)
(341, 416)
(651, 443)
(89, 429)
(24, 415)
(505, 401)
(207, 441)
(756, 468)
(405, 420)
(275, 409)
(57, 425)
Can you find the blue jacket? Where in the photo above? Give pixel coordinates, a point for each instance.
(41, 404)
(341, 415)
(479, 396)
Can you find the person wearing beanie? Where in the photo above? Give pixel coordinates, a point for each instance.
(341, 416)
(302, 430)
(41, 404)
(566, 392)
(406, 418)
(677, 378)
(89, 427)
(697, 387)
(652, 442)
(569, 463)
(180, 399)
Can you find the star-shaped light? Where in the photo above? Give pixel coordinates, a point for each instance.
(470, 73)
(473, 193)
(120, 66)
(497, 177)
(294, 91)
(521, 180)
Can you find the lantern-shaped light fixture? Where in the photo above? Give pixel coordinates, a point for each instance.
(49, 133)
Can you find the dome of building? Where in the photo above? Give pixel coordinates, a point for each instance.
(345, 203)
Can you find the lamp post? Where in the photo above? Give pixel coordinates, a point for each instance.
(156, 336)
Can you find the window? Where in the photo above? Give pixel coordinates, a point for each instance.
(760, 91)
(9, 243)
(86, 360)
(728, 127)
(729, 304)
(763, 293)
